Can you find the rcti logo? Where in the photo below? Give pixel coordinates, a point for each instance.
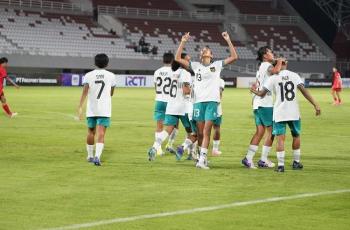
(135, 81)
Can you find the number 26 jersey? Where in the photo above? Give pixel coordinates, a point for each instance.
(99, 102)
(285, 87)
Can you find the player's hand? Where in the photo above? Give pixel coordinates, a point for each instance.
(80, 113)
(186, 37)
(226, 36)
(281, 59)
(318, 110)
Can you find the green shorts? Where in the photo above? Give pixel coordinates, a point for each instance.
(279, 128)
(172, 120)
(205, 111)
(218, 121)
(102, 121)
(263, 116)
(159, 110)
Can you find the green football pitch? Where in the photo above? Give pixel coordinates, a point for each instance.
(45, 181)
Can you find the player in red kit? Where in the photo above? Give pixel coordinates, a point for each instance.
(3, 75)
(336, 87)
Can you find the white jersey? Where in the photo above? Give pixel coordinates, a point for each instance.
(222, 87)
(177, 101)
(262, 76)
(285, 86)
(99, 102)
(190, 100)
(206, 84)
(162, 81)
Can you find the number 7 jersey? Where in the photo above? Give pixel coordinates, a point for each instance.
(162, 81)
(285, 86)
(99, 103)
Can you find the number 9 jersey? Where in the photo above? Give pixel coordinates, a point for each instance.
(100, 82)
(162, 81)
(285, 86)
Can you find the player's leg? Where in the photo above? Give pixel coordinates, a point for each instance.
(90, 143)
(190, 139)
(169, 146)
(159, 116)
(266, 117)
(335, 99)
(210, 115)
(102, 123)
(338, 96)
(170, 122)
(295, 127)
(5, 106)
(247, 161)
(279, 130)
(216, 141)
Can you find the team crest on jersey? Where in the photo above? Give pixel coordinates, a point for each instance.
(212, 69)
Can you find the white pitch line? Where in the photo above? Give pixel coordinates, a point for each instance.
(196, 210)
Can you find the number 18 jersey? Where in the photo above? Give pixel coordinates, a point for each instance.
(162, 81)
(285, 86)
(99, 102)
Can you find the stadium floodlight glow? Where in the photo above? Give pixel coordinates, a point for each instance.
(339, 12)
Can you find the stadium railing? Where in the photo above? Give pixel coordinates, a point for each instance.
(252, 18)
(141, 12)
(48, 5)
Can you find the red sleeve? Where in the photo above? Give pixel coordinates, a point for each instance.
(3, 73)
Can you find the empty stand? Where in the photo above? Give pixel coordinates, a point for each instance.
(288, 41)
(257, 7)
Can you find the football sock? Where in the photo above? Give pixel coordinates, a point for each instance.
(280, 158)
(265, 153)
(99, 149)
(204, 152)
(172, 137)
(161, 136)
(187, 144)
(251, 152)
(296, 155)
(90, 151)
(7, 110)
(216, 144)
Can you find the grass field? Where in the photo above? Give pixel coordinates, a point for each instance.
(45, 181)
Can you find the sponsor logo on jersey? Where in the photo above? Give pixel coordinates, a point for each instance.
(212, 69)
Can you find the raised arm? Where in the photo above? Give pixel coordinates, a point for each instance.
(12, 82)
(183, 62)
(82, 100)
(308, 97)
(260, 93)
(233, 54)
(277, 68)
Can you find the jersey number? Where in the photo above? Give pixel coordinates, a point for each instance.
(173, 88)
(101, 89)
(166, 86)
(199, 76)
(287, 91)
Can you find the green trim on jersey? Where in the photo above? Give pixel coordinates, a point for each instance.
(205, 111)
(263, 116)
(159, 110)
(92, 122)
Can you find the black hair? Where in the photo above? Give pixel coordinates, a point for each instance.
(261, 52)
(101, 60)
(3, 60)
(168, 58)
(175, 65)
